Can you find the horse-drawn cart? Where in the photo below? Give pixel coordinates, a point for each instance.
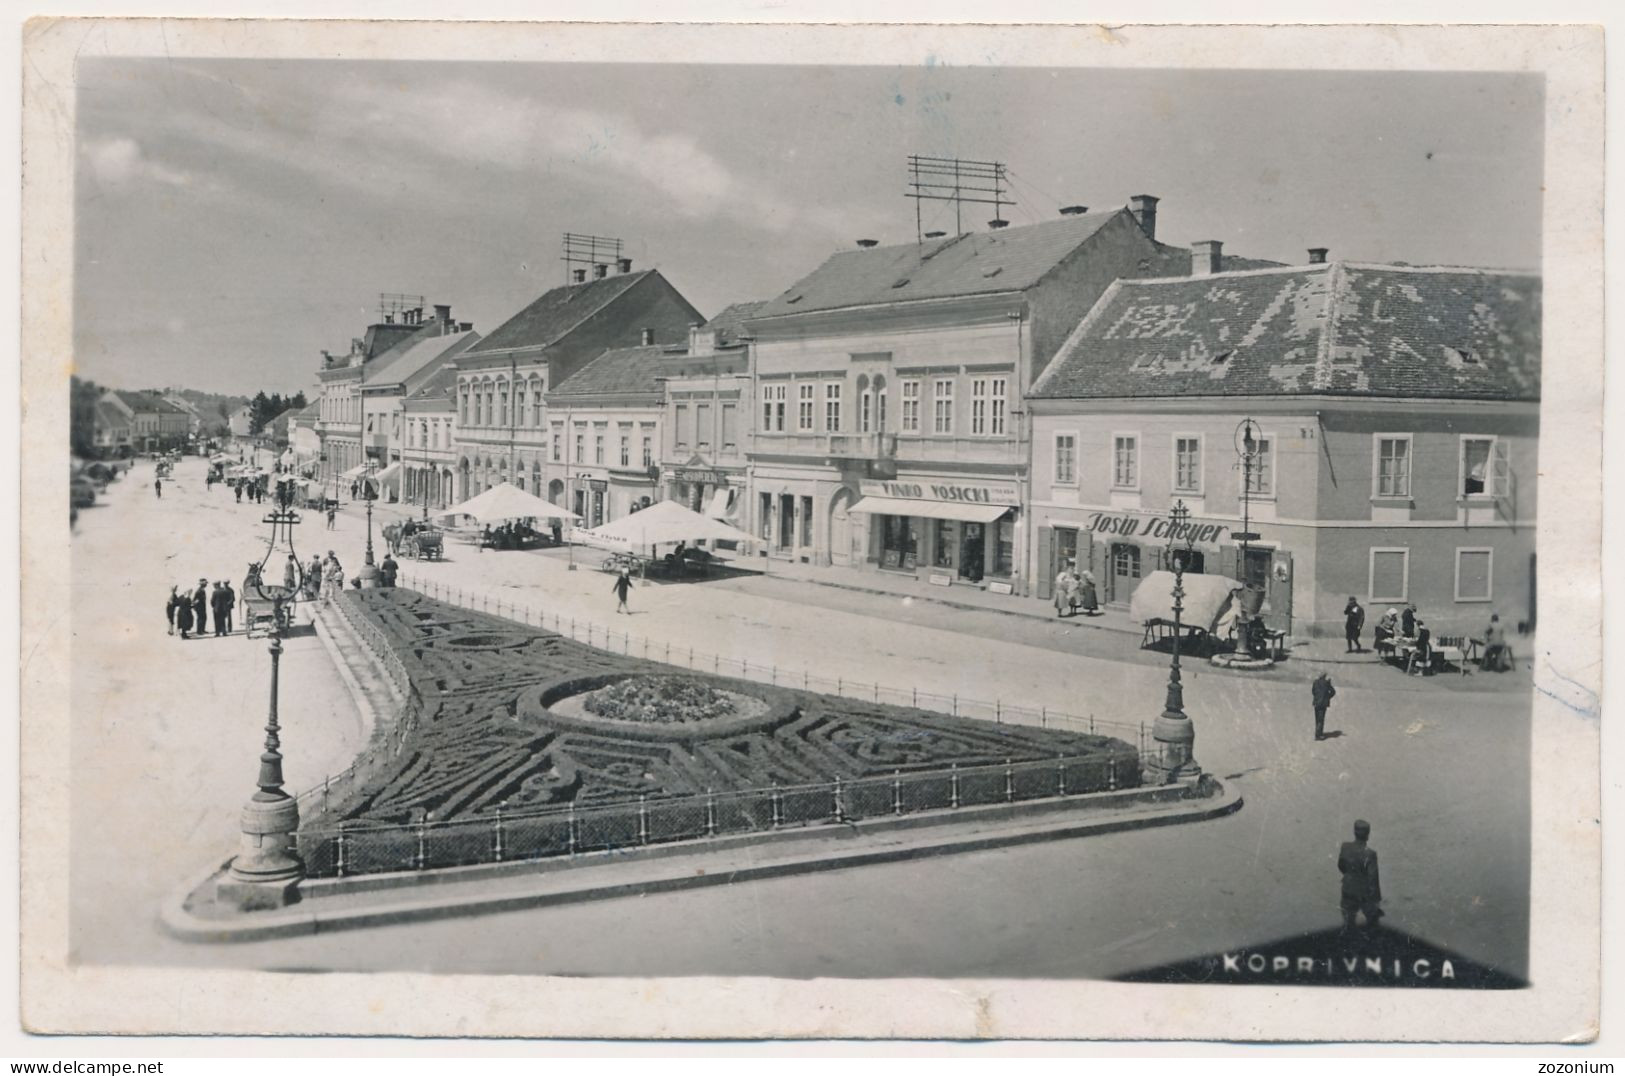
(260, 614)
(416, 540)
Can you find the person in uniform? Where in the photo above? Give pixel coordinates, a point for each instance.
(1362, 891)
(1321, 693)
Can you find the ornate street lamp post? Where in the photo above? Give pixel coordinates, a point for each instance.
(1173, 733)
(1249, 445)
(369, 574)
(266, 873)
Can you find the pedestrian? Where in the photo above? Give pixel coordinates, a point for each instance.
(1382, 636)
(1423, 654)
(200, 605)
(290, 575)
(1064, 604)
(183, 617)
(169, 606)
(217, 605)
(333, 583)
(158, 487)
(313, 579)
(239, 489)
(388, 569)
(231, 605)
(1321, 692)
(1407, 621)
(1496, 657)
(1091, 596)
(1362, 889)
(332, 514)
(623, 586)
(558, 533)
(1353, 625)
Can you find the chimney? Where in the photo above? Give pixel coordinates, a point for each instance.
(648, 337)
(1144, 208)
(623, 266)
(389, 319)
(1317, 255)
(600, 271)
(995, 225)
(465, 327)
(1207, 256)
(867, 243)
(935, 235)
(1074, 210)
(579, 275)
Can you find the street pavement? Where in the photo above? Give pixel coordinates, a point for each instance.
(1439, 766)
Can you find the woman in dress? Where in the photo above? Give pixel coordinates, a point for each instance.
(1091, 597)
(1066, 591)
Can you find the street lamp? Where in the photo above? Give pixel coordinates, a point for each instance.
(1249, 446)
(266, 873)
(369, 574)
(1173, 732)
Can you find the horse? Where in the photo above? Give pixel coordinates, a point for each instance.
(392, 535)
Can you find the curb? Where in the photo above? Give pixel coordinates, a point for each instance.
(363, 705)
(684, 872)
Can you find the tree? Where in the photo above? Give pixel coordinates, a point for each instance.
(257, 417)
(82, 416)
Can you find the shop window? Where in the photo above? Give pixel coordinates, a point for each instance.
(1474, 567)
(1066, 459)
(899, 542)
(947, 539)
(806, 522)
(1004, 547)
(911, 406)
(1389, 574)
(1393, 470)
(1126, 461)
(1066, 549)
(1187, 464)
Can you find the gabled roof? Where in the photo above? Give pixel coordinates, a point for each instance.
(108, 415)
(727, 325)
(619, 371)
(279, 426)
(414, 354)
(551, 317)
(146, 401)
(437, 393)
(1339, 329)
(314, 411)
(1009, 259)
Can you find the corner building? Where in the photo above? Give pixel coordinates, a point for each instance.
(1398, 417)
(888, 431)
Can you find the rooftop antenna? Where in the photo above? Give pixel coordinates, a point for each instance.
(956, 180)
(392, 304)
(588, 250)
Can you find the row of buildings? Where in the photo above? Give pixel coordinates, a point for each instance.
(981, 409)
(130, 422)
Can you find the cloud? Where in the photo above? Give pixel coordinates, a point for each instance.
(117, 162)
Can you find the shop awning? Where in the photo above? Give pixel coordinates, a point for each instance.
(897, 506)
(719, 505)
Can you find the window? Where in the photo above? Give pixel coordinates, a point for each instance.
(1390, 574)
(730, 427)
(1393, 470)
(767, 407)
(911, 406)
(866, 401)
(764, 515)
(773, 408)
(1066, 459)
(502, 409)
(1126, 461)
(804, 407)
(995, 423)
(806, 521)
(1484, 470)
(519, 405)
(1187, 464)
(648, 450)
(978, 406)
(558, 442)
(626, 450)
(832, 407)
(1474, 569)
(581, 443)
(942, 406)
(1261, 472)
(598, 444)
(702, 425)
(880, 410)
(682, 426)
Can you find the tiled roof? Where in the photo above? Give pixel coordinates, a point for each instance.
(1009, 259)
(727, 324)
(412, 355)
(143, 401)
(314, 411)
(438, 392)
(552, 316)
(619, 371)
(108, 415)
(1338, 329)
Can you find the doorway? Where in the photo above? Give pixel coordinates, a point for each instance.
(972, 549)
(1125, 572)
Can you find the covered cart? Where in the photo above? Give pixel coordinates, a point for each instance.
(1207, 611)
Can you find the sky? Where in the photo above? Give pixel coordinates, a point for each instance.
(234, 218)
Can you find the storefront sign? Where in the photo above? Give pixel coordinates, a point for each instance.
(715, 478)
(930, 490)
(1158, 528)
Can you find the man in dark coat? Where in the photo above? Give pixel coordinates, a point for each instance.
(623, 586)
(387, 570)
(200, 605)
(1353, 624)
(239, 489)
(230, 602)
(1407, 621)
(183, 617)
(175, 601)
(217, 605)
(1362, 891)
(1321, 692)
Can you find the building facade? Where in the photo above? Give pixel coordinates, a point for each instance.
(342, 377)
(707, 414)
(155, 424)
(503, 431)
(390, 379)
(1393, 414)
(429, 455)
(889, 432)
(603, 434)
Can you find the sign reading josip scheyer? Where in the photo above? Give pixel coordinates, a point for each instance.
(1159, 528)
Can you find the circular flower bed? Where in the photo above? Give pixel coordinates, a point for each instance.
(660, 700)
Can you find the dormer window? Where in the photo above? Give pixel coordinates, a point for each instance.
(901, 283)
(1465, 356)
(1221, 358)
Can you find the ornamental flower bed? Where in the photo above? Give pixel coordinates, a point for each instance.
(659, 700)
(669, 746)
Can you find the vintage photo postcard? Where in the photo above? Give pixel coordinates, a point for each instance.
(702, 531)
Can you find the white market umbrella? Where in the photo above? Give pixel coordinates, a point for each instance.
(507, 501)
(661, 524)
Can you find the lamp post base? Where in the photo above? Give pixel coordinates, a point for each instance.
(1174, 737)
(370, 576)
(267, 872)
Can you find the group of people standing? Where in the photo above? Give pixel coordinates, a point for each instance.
(1075, 591)
(188, 611)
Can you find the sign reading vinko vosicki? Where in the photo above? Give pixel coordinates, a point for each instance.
(930, 489)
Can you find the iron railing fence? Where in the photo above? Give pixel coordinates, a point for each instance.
(362, 847)
(596, 635)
